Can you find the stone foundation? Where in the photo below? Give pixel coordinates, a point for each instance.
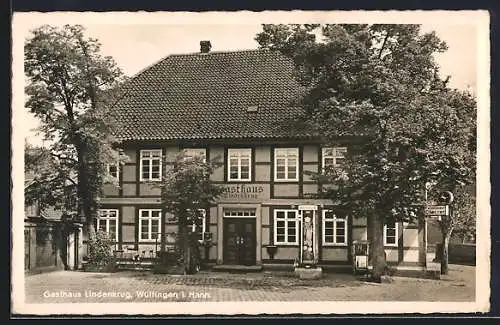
(309, 273)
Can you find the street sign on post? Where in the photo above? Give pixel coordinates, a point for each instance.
(436, 210)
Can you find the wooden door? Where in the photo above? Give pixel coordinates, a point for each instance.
(239, 241)
(231, 241)
(247, 242)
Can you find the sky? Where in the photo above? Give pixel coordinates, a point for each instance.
(135, 47)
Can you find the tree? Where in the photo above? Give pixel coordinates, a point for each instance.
(71, 89)
(186, 190)
(377, 87)
(52, 182)
(464, 209)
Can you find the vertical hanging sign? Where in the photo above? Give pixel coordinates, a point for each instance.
(307, 237)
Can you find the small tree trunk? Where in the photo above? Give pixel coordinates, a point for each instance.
(376, 228)
(184, 246)
(444, 255)
(91, 231)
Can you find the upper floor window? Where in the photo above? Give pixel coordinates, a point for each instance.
(286, 164)
(333, 157)
(239, 163)
(150, 162)
(149, 224)
(334, 229)
(107, 221)
(286, 227)
(195, 152)
(390, 234)
(113, 170)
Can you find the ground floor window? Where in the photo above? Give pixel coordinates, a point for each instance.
(107, 221)
(286, 226)
(390, 234)
(199, 226)
(334, 229)
(149, 224)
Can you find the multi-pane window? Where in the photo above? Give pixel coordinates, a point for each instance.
(199, 224)
(239, 213)
(390, 234)
(333, 157)
(334, 229)
(190, 153)
(239, 163)
(150, 165)
(286, 227)
(107, 221)
(149, 224)
(113, 170)
(286, 164)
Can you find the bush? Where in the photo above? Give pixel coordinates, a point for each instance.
(100, 249)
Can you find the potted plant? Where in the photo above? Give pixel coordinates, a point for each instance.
(271, 250)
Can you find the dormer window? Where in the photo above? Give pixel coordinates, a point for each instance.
(252, 109)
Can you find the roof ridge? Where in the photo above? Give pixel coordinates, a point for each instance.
(220, 52)
(193, 54)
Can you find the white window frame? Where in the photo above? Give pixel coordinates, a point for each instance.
(104, 216)
(148, 220)
(286, 219)
(150, 158)
(239, 152)
(338, 153)
(192, 152)
(286, 151)
(245, 213)
(395, 234)
(117, 165)
(203, 224)
(335, 219)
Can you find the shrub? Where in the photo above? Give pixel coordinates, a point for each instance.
(100, 249)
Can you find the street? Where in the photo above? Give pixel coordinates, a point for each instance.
(72, 287)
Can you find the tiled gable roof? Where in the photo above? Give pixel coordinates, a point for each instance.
(206, 96)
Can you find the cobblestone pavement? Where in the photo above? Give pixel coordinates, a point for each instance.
(71, 286)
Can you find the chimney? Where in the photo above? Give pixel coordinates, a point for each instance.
(205, 46)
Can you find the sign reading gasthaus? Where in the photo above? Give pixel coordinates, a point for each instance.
(245, 192)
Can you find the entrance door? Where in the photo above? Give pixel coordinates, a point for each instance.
(239, 241)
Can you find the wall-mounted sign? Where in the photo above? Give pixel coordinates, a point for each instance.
(244, 192)
(308, 207)
(436, 210)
